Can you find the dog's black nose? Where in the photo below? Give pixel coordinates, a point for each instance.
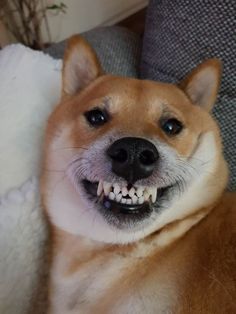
(133, 158)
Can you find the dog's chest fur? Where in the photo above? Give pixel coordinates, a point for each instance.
(184, 277)
(134, 279)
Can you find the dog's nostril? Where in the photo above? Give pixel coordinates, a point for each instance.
(133, 158)
(119, 155)
(147, 158)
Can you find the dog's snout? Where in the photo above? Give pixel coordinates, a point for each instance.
(133, 158)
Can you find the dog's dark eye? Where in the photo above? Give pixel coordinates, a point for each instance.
(171, 126)
(96, 117)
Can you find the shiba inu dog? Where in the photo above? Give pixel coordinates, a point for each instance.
(134, 188)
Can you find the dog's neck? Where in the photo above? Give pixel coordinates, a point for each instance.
(86, 248)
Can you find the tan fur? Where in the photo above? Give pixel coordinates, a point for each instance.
(185, 265)
(200, 267)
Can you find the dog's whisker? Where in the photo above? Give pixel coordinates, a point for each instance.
(53, 170)
(70, 148)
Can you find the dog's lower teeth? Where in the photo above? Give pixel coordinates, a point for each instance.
(116, 189)
(118, 197)
(112, 196)
(141, 200)
(124, 191)
(134, 199)
(131, 192)
(139, 192)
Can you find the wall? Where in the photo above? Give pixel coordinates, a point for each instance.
(83, 15)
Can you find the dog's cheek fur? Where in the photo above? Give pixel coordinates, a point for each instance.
(72, 212)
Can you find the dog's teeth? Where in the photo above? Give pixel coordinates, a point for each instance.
(139, 191)
(137, 195)
(146, 195)
(131, 192)
(107, 188)
(100, 188)
(112, 196)
(134, 199)
(154, 194)
(116, 188)
(123, 201)
(141, 200)
(118, 197)
(124, 191)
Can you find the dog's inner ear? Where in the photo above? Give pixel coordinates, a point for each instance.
(202, 84)
(80, 66)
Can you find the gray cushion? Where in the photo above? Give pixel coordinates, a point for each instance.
(180, 34)
(117, 48)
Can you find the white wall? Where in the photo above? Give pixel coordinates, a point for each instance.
(83, 15)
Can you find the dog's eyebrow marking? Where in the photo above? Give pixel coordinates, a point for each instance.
(167, 112)
(107, 103)
(165, 108)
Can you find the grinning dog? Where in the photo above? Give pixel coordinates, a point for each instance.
(133, 185)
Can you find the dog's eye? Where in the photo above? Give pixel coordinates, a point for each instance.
(96, 117)
(171, 126)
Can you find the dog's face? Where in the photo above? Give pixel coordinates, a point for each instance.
(125, 157)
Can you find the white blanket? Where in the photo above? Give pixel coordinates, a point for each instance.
(30, 85)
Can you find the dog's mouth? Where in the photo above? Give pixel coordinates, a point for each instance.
(124, 199)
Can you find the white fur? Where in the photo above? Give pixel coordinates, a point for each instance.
(29, 89)
(73, 213)
(88, 286)
(77, 293)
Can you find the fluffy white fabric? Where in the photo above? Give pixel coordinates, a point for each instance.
(30, 84)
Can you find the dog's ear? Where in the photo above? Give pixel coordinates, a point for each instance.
(80, 66)
(202, 84)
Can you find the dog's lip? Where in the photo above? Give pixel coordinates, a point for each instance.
(126, 209)
(90, 187)
(115, 207)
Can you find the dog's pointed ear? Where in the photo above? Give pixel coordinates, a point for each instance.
(80, 66)
(202, 84)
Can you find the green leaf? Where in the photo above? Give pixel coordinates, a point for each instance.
(57, 7)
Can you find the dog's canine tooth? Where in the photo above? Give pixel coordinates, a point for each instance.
(118, 197)
(117, 188)
(123, 201)
(112, 196)
(134, 199)
(131, 192)
(124, 191)
(100, 188)
(146, 194)
(154, 194)
(107, 187)
(141, 200)
(139, 191)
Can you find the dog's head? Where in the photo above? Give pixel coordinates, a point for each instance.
(125, 157)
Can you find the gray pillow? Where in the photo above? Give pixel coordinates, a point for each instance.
(118, 49)
(179, 34)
